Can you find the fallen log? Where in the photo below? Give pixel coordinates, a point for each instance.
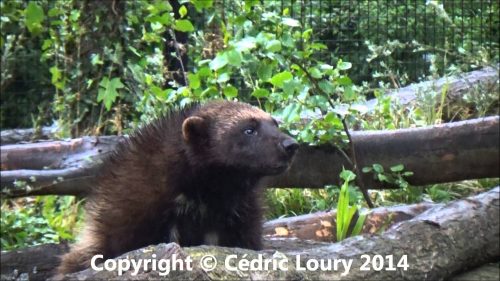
(321, 226)
(32, 263)
(24, 135)
(486, 80)
(444, 240)
(435, 154)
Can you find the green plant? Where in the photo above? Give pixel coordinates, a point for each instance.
(346, 212)
(397, 175)
(28, 222)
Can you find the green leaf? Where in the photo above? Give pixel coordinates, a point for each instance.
(349, 94)
(378, 168)
(290, 22)
(291, 113)
(289, 87)
(108, 91)
(326, 86)
(341, 65)
(223, 77)
(273, 46)
(219, 61)
(344, 81)
(347, 175)
(398, 168)
(183, 26)
(234, 58)
(246, 44)
(367, 169)
(279, 79)
(264, 71)
(230, 92)
(194, 81)
(183, 11)
(33, 17)
(315, 73)
(56, 74)
(359, 224)
(260, 93)
(159, 93)
(202, 4)
(382, 178)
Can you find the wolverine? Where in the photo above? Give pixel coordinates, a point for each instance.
(190, 177)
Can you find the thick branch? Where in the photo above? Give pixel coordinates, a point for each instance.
(441, 153)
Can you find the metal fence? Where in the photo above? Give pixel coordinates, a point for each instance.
(405, 38)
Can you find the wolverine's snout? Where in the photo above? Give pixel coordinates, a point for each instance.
(290, 146)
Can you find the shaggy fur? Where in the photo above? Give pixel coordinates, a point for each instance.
(190, 177)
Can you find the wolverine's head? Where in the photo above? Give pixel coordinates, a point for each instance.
(240, 136)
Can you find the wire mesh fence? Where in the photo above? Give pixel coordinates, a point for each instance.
(409, 38)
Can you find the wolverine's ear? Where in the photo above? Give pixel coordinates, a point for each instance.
(194, 128)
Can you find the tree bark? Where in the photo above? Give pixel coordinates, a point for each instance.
(34, 263)
(21, 135)
(485, 79)
(444, 240)
(442, 153)
(321, 226)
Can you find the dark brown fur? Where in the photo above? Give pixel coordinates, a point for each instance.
(190, 177)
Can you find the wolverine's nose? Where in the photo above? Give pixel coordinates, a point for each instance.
(290, 146)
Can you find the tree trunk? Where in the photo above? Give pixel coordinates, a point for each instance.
(442, 153)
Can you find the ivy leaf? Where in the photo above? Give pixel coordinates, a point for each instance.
(108, 91)
(230, 92)
(34, 17)
(279, 79)
(183, 26)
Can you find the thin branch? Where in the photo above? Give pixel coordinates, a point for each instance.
(353, 161)
(179, 56)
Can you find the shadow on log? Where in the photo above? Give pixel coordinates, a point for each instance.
(438, 243)
(442, 153)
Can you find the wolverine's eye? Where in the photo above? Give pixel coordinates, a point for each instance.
(250, 131)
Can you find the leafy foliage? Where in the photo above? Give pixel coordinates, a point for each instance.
(27, 222)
